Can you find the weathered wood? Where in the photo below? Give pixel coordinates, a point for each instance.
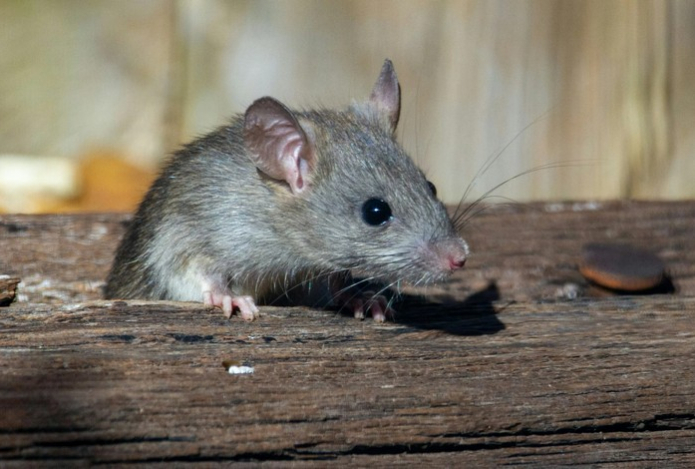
(519, 371)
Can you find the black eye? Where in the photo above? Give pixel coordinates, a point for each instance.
(433, 188)
(376, 212)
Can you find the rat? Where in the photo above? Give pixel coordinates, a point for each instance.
(278, 197)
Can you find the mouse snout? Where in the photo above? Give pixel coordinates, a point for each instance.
(437, 260)
(456, 261)
(452, 255)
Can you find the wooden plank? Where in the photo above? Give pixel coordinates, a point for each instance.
(516, 373)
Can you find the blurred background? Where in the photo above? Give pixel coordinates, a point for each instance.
(596, 98)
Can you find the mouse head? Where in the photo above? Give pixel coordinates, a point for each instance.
(350, 197)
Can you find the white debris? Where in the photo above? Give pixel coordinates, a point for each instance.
(240, 370)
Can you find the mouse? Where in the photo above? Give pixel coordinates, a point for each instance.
(279, 197)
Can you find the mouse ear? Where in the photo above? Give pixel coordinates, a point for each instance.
(278, 144)
(386, 95)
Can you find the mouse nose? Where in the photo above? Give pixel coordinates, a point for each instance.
(450, 254)
(456, 262)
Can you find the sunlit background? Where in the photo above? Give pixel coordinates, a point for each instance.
(595, 98)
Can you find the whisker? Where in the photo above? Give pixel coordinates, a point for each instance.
(459, 216)
(495, 156)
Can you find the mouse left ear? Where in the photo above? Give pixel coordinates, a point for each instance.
(278, 144)
(386, 95)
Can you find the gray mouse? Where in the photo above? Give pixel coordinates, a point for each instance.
(278, 197)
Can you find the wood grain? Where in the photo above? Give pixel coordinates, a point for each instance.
(516, 362)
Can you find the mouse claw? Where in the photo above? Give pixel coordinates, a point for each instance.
(244, 304)
(377, 312)
(380, 309)
(357, 306)
(247, 307)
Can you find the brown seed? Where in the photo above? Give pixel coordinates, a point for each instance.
(229, 363)
(621, 267)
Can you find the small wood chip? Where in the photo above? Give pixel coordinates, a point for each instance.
(621, 267)
(235, 367)
(8, 289)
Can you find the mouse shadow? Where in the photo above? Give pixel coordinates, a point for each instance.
(474, 316)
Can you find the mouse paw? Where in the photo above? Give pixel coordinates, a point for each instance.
(244, 304)
(369, 302)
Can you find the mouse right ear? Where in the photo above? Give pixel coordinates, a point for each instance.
(386, 94)
(278, 144)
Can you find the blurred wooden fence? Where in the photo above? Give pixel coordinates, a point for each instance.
(602, 88)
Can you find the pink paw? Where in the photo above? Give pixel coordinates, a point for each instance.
(359, 303)
(244, 304)
(368, 302)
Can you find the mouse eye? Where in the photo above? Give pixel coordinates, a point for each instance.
(433, 188)
(376, 212)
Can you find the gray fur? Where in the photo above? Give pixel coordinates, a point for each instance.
(213, 214)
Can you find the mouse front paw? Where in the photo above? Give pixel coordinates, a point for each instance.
(367, 302)
(348, 296)
(244, 304)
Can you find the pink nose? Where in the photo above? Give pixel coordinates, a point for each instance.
(456, 262)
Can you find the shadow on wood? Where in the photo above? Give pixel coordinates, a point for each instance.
(474, 316)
